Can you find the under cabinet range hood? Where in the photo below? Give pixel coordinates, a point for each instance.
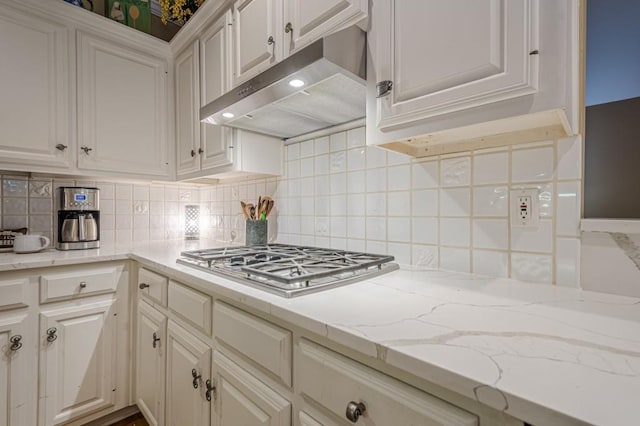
(320, 86)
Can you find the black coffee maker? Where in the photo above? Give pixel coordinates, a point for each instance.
(78, 218)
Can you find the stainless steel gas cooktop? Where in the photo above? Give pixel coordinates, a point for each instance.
(289, 270)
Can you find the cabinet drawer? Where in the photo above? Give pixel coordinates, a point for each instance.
(335, 381)
(263, 342)
(14, 293)
(191, 305)
(152, 286)
(79, 282)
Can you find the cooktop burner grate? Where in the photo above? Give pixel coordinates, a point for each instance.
(289, 270)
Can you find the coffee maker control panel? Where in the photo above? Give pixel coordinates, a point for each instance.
(74, 198)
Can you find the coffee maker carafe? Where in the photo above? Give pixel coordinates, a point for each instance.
(78, 218)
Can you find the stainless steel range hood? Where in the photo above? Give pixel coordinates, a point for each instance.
(322, 85)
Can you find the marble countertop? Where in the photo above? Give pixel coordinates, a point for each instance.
(544, 354)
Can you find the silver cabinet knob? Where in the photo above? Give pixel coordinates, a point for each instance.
(355, 410)
(83, 284)
(270, 41)
(288, 28)
(193, 152)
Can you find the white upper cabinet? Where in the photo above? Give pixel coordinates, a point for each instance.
(456, 70)
(35, 107)
(306, 21)
(215, 76)
(437, 66)
(122, 109)
(187, 110)
(257, 37)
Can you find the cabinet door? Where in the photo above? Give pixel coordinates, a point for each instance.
(150, 360)
(17, 356)
(257, 37)
(215, 73)
(242, 399)
(35, 107)
(122, 109)
(450, 56)
(310, 20)
(186, 401)
(188, 110)
(77, 361)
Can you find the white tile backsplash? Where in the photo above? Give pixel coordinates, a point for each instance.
(455, 202)
(450, 213)
(491, 201)
(491, 168)
(570, 158)
(532, 165)
(425, 202)
(538, 240)
(399, 229)
(491, 234)
(455, 171)
(491, 263)
(455, 259)
(426, 175)
(568, 205)
(455, 232)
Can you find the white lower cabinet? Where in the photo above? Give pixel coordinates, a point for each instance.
(242, 399)
(188, 379)
(77, 361)
(250, 369)
(64, 344)
(17, 357)
(150, 363)
(352, 390)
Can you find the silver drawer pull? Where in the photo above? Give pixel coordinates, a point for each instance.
(355, 410)
(142, 286)
(16, 342)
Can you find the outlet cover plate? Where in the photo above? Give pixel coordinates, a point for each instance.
(534, 208)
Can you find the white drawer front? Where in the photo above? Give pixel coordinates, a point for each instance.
(79, 282)
(14, 293)
(191, 305)
(152, 286)
(263, 342)
(334, 381)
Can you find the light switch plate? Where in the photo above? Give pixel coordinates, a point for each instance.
(525, 208)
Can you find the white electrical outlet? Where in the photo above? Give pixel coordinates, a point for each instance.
(525, 208)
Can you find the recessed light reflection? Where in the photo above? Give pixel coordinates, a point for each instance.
(228, 115)
(296, 83)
